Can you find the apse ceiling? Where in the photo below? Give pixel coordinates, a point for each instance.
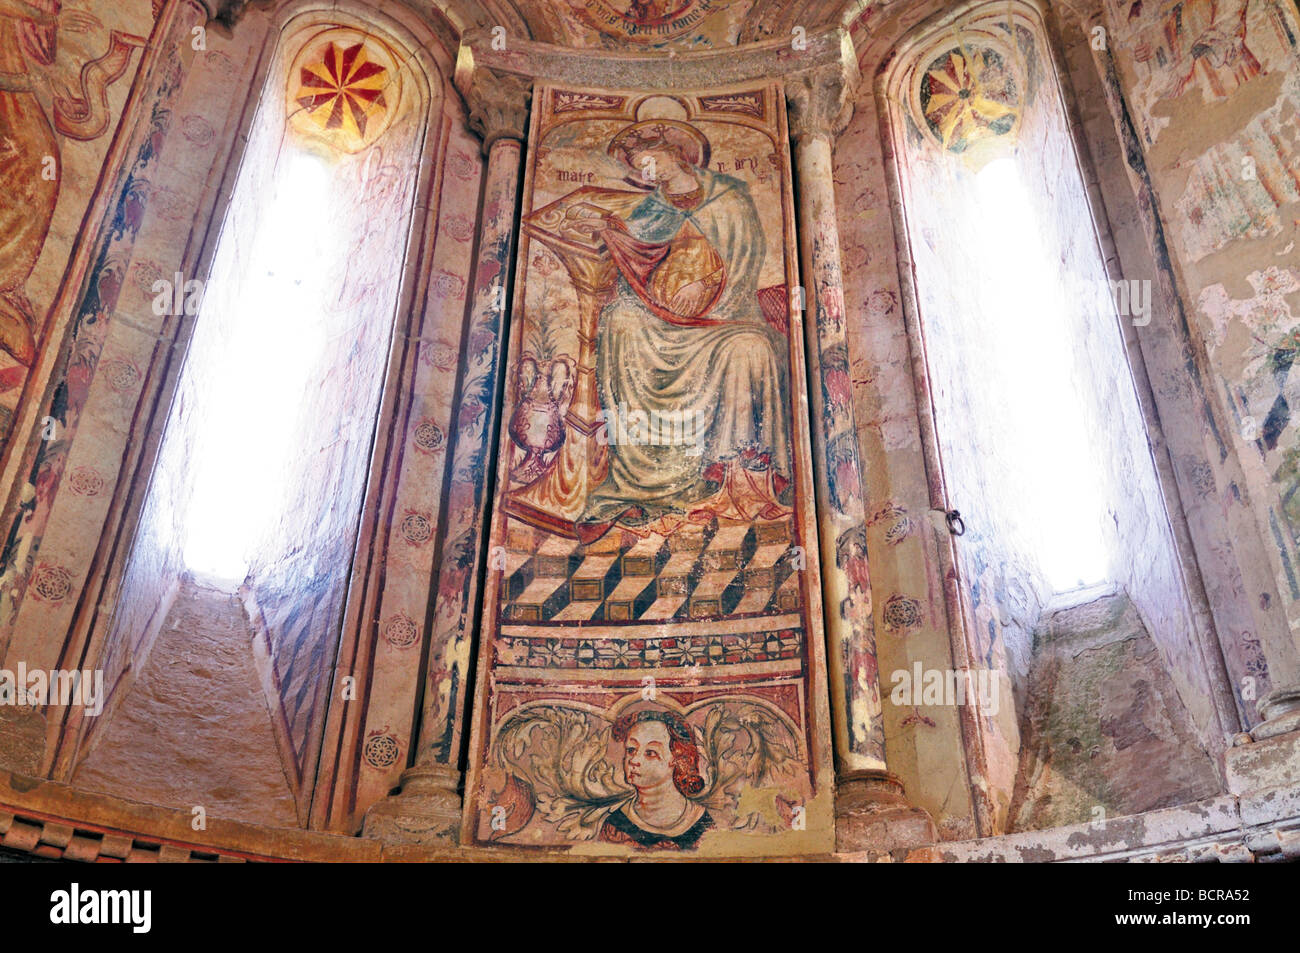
(630, 25)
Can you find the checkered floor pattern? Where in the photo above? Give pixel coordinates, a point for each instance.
(700, 572)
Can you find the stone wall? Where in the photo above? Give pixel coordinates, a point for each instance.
(1105, 732)
(72, 528)
(1191, 132)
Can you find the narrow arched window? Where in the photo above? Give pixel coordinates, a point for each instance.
(241, 565)
(1039, 439)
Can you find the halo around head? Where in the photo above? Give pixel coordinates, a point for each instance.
(693, 144)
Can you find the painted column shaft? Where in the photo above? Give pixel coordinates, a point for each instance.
(443, 723)
(851, 645)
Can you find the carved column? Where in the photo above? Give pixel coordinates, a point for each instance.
(1281, 712)
(428, 808)
(871, 811)
(1266, 760)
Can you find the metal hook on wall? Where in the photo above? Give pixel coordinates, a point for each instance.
(956, 525)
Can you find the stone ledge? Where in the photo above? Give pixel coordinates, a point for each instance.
(1264, 826)
(1114, 835)
(54, 820)
(1264, 764)
(78, 825)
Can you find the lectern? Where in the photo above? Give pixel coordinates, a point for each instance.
(570, 228)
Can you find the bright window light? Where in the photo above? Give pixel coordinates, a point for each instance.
(257, 349)
(1056, 472)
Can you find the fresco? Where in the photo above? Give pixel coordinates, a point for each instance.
(190, 110)
(651, 654)
(655, 24)
(966, 97)
(1213, 88)
(1207, 48)
(347, 90)
(979, 131)
(58, 62)
(109, 263)
(968, 94)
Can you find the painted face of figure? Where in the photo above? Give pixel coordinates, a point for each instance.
(647, 760)
(656, 165)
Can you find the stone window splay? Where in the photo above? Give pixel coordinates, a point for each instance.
(234, 593)
(1039, 436)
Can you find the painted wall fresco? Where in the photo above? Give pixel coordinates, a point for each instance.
(161, 203)
(296, 586)
(350, 96)
(156, 564)
(472, 432)
(978, 94)
(432, 488)
(651, 656)
(67, 68)
(58, 110)
(100, 282)
(1214, 92)
(651, 24)
(963, 103)
(337, 91)
(110, 263)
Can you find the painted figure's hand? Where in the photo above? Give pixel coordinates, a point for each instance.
(78, 21)
(587, 219)
(691, 298)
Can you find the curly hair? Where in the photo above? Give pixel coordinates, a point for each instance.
(681, 744)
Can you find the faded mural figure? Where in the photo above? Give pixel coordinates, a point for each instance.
(661, 762)
(648, 11)
(30, 167)
(28, 31)
(1218, 49)
(684, 337)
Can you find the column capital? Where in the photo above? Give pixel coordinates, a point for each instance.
(498, 104)
(820, 101)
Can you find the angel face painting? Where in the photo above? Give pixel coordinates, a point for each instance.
(661, 762)
(653, 517)
(640, 776)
